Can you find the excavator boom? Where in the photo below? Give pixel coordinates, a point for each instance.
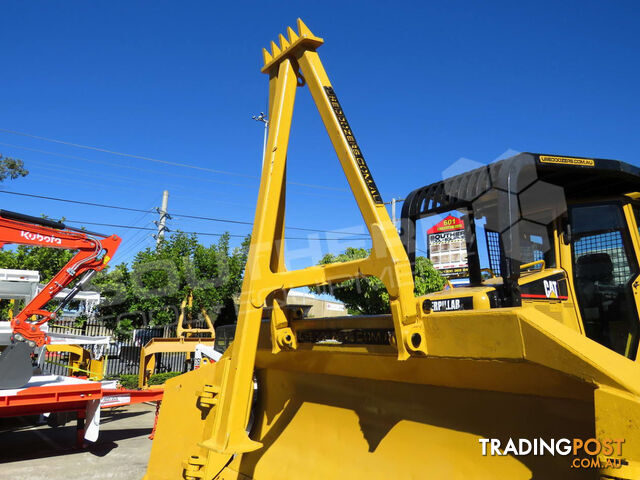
(93, 252)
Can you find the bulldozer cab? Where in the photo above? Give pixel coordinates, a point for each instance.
(556, 234)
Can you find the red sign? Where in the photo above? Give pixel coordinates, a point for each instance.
(448, 224)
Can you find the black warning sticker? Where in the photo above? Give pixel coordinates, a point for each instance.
(355, 149)
(351, 336)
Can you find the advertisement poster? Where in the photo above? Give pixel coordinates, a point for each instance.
(447, 247)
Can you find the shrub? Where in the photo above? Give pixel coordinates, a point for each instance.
(131, 381)
(160, 378)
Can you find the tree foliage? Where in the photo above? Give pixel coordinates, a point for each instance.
(151, 291)
(48, 261)
(11, 168)
(368, 295)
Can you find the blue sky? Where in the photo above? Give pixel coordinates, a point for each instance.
(424, 84)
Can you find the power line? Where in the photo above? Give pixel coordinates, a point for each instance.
(130, 167)
(44, 197)
(182, 215)
(136, 239)
(133, 227)
(156, 172)
(140, 236)
(105, 174)
(146, 239)
(157, 160)
(123, 154)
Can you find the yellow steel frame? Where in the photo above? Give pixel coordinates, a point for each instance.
(185, 342)
(164, 345)
(635, 285)
(291, 64)
(181, 331)
(80, 361)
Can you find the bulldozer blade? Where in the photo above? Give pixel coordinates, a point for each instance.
(15, 366)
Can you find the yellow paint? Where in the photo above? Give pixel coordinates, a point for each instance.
(80, 361)
(185, 341)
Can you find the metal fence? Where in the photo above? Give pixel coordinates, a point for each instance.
(123, 355)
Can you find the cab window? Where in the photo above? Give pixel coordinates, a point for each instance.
(604, 269)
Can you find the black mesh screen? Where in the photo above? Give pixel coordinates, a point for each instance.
(611, 244)
(494, 250)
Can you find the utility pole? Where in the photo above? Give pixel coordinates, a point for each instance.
(393, 209)
(162, 222)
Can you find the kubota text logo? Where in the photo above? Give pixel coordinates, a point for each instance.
(36, 237)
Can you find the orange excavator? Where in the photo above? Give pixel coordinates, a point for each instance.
(93, 252)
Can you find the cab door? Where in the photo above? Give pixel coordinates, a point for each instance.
(604, 254)
(632, 213)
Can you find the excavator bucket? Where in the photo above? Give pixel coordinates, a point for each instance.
(500, 393)
(15, 365)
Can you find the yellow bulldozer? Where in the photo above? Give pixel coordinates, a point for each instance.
(529, 372)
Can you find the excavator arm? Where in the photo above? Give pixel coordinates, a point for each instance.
(93, 252)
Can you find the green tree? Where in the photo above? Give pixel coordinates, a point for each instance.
(11, 168)
(368, 295)
(47, 261)
(151, 291)
(115, 289)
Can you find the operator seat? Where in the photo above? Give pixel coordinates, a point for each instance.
(592, 271)
(595, 267)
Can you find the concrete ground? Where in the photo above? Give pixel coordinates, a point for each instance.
(121, 452)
